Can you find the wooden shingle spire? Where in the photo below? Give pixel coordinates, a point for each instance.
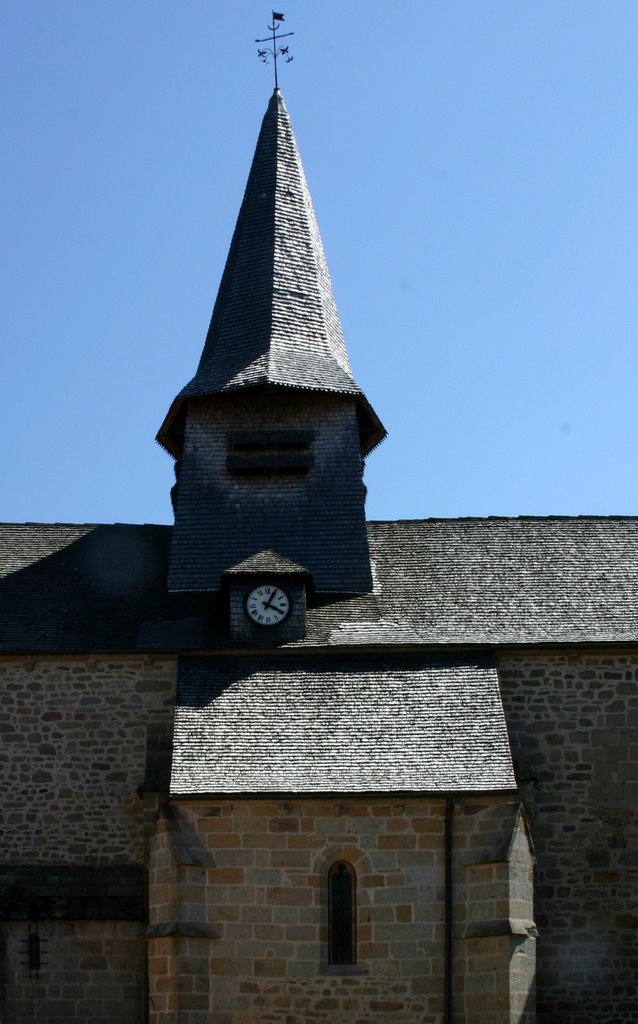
(275, 321)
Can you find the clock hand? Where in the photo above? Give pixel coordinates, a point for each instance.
(269, 604)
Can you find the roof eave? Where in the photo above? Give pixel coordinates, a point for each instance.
(170, 436)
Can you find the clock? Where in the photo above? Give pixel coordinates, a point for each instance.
(268, 605)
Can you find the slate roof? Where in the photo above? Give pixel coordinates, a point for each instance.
(495, 581)
(463, 582)
(275, 321)
(375, 724)
(267, 561)
(78, 588)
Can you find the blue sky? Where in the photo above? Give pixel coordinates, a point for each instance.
(474, 169)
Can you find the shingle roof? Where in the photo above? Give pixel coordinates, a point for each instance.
(79, 588)
(267, 561)
(275, 321)
(459, 581)
(494, 581)
(307, 725)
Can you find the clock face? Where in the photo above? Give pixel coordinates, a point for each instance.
(267, 605)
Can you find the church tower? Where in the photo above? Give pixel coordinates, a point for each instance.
(270, 435)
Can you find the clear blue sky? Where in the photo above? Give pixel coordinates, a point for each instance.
(474, 166)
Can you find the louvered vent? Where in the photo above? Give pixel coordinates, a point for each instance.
(273, 453)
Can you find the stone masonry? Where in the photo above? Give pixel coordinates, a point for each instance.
(239, 925)
(91, 971)
(573, 722)
(79, 737)
(75, 734)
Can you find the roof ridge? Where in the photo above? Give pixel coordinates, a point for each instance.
(550, 517)
(335, 341)
(278, 101)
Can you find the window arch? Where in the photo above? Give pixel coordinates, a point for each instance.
(342, 932)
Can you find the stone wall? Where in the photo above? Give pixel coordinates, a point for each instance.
(78, 737)
(493, 907)
(573, 722)
(91, 971)
(239, 924)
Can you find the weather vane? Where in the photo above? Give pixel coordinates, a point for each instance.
(277, 50)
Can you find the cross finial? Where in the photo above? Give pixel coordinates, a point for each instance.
(276, 50)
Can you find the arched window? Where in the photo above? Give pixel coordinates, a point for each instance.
(342, 942)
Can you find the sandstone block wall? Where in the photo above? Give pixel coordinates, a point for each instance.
(249, 933)
(93, 971)
(573, 721)
(493, 907)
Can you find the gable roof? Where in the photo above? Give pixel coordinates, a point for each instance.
(267, 561)
(275, 322)
(414, 724)
(461, 582)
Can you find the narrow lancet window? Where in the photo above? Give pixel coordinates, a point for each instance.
(342, 914)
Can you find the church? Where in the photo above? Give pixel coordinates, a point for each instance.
(280, 764)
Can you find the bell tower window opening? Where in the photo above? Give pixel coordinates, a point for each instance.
(269, 453)
(342, 939)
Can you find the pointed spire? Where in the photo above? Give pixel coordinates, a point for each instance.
(275, 320)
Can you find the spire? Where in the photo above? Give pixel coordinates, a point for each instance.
(275, 322)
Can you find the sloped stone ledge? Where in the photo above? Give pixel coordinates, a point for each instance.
(502, 926)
